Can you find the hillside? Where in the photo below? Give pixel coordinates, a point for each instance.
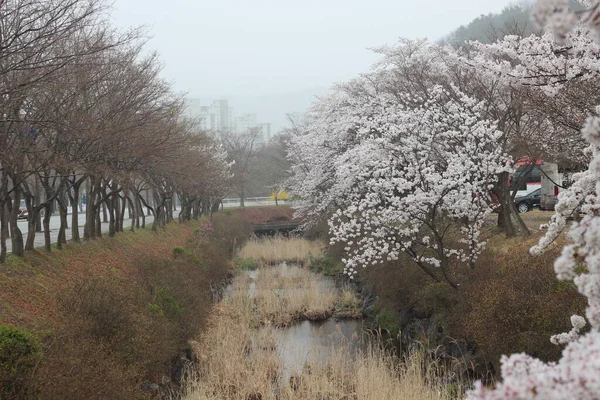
(514, 19)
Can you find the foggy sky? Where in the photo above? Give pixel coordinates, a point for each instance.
(254, 47)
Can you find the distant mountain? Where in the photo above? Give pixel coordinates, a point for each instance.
(513, 19)
(271, 108)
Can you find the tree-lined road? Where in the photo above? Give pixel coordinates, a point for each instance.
(55, 225)
(55, 222)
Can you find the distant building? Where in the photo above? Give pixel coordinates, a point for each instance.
(214, 117)
(246, 122)
(219, 117)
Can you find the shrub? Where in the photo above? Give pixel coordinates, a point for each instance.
(101, 306)
(230, 232)
(388, 321)
(179, 251)
(166, 305)
(19, 353)
(435, 298)
(249, 264)
(326, 265)
(514, 304)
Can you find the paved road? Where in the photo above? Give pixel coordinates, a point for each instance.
(55, 225)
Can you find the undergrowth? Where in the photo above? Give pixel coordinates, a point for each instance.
(113, 312)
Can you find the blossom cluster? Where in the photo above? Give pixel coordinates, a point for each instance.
(577, 374)
(393, 166)
(574, 376)
(560, 19)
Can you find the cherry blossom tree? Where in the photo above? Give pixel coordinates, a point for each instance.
(396, 172)
(577, 374)
(524, 82)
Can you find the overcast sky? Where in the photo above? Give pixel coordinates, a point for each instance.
(255, 47)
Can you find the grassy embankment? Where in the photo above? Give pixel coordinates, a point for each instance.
(511, 302)
(111, 314)
(238, 357)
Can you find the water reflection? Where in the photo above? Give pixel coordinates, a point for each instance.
(316, 342)
(306, 341)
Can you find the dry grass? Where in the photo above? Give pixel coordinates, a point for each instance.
(371, 375)
(284, 295)
(278, 249)
(236, 360)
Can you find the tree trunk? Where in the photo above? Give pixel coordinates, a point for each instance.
(38, 216)
(17, 236)
(182, 209)
(62, 230)
(46, 224)
(130, 207)
(137, 208)
(149, 201)
(509, 220)
(113, 211)
(142, 214)
(156, 219)
(158, 208)
(122, 208)
(98, 227)
(3, 231)
(168, 209)
(132, 213)
(90, 211)
(242, 197)
(104, 212)
(75, 214)
(32, 204)
(112, 227)
(34, 216)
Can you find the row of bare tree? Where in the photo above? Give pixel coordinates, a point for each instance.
(83, 109)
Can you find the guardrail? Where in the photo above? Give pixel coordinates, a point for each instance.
(251, 201)
(276, 227)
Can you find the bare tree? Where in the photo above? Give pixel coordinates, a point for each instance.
(241, 150)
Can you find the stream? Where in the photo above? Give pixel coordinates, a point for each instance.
(314, 341)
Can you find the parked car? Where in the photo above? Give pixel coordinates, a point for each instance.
(23, 212)
(528, 202)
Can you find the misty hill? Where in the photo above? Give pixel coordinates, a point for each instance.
(513, 19)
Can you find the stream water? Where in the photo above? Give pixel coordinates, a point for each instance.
(314, 341)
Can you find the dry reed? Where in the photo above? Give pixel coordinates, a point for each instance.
(240, 362)
(279, 248)
(284, 295)
(372, 374)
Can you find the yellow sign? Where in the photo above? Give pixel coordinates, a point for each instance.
(280, 196)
